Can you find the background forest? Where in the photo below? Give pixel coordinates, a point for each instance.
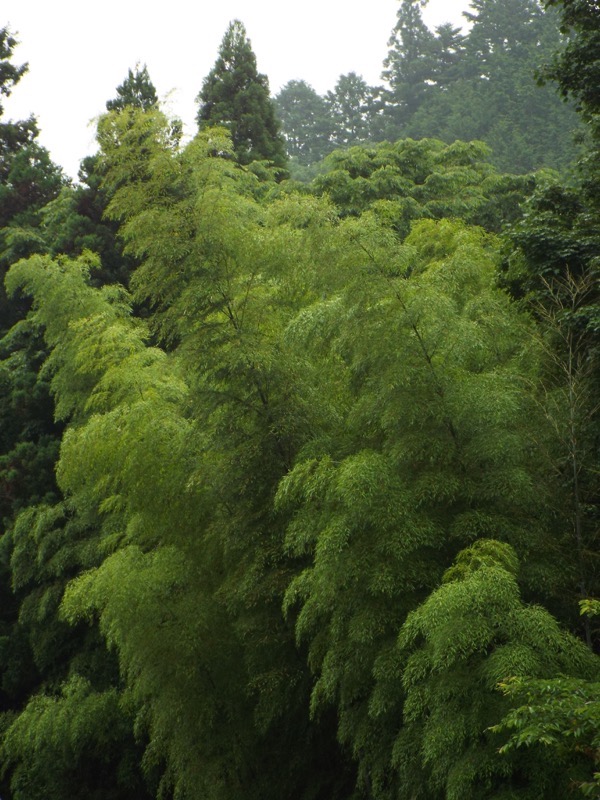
(299, 431)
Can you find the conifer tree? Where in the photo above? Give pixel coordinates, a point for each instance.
(409, 64)
(136, 91)
(13, 135)
(234, 94)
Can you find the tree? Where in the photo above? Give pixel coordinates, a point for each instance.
(13, 135)
(562, 715)
(136, 91)
(448, 54)
(234, 94)
(408, 180)
(409, 63)
(49, 669)
(482, 85)
(451, 654)
(28, 178)
(576, 67)
(354, 110)
(212, 673)
(422, 453)
(76, 220)
(306, 122)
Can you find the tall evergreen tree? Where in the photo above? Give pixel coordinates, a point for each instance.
(577, 67)
(409, 63)
(556, 266)
(28, 180)
(136, 91)
(13, 135)
(234, 94)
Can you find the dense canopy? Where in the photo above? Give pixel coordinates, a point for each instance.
(299, 486)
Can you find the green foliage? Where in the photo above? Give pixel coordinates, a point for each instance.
(410, 64)
(484, 553)
(354, 108)
(563, 716)
(136, 91)
(28, 180)
(452, 651)
(481, 85)
(576, 67)
(423, 453)
(117, 392)
(305, 122)
(28, 434)
(553, 268)
(65, 743)
(590, 607)
(14, 136)
(163, 470)
(235, 95)
(10, 74)
(314, 522)
(409, 179)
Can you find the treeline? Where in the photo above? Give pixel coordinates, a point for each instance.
(479, 84)
(299, 480)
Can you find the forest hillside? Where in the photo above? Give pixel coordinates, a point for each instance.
(299, 434)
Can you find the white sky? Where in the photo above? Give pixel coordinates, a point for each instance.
(79, 52)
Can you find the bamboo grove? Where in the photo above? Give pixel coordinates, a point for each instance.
(314, 511)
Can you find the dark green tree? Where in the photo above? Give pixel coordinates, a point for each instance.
(448, 54)
(28, 178)
(43, 660)
(554, 270)
(136, 91)
(576, 68)
(409, 65)
(13, 135)
(234, 94)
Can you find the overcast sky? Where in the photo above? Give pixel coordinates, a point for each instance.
(79, 52)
